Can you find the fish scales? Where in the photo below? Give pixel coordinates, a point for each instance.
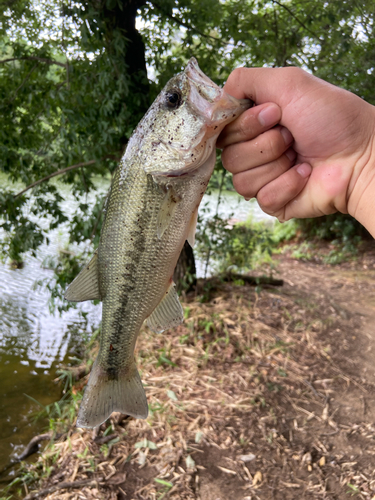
(151, 210)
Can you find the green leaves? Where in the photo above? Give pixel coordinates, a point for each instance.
(73, 82)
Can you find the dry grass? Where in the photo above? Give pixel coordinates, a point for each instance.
(247, 401)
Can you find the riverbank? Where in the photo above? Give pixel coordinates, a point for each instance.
(261, 393)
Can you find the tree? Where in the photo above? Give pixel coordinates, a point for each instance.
(73, 83)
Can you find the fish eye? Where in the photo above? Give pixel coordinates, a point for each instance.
(173, 99)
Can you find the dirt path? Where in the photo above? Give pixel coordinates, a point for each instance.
(342, 435)
(266, 395)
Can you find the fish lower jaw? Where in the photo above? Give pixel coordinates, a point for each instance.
(200, 154)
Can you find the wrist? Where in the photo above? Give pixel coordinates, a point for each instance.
(361, 197)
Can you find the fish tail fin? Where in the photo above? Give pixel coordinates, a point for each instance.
(108, 391)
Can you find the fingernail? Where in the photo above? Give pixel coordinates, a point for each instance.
(269, 115)
(287, 136)
(290, 154)
(304, 170)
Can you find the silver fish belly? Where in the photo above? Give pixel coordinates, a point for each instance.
(151, 210)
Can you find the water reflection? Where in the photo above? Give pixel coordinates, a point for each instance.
(32, 343)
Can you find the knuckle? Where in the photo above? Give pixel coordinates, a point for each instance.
(294, 73)
(242, 187)
(226, 158)
(270, 202)
(278, 212)
(266, 201)
(246, 123)
(275, 144)
(234, 77)
(237, 74)
(238, 78)
(230, 159)
(243, 126)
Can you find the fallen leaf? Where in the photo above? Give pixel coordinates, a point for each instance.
(257, 478)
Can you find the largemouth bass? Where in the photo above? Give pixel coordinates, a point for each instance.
(151, 210)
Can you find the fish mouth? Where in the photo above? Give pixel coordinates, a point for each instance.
(216, 106)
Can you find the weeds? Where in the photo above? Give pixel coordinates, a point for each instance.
(239, 247)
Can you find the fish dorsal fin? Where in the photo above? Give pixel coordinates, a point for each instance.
(86, 285)
(168, 313)
(166, 212)
(192, 228)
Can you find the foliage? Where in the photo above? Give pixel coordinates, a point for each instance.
(68, 98)
(225, 247)
(343, 236)
(342, 230)
(332, 227)
(73, 83)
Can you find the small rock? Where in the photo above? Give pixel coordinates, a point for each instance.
(307, 458)
(247, 458)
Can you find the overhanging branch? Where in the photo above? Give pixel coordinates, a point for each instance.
(58, 172)
(34, 58)
(188, 26)
(296, 18)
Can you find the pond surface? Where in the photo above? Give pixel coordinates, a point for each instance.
(34, 341)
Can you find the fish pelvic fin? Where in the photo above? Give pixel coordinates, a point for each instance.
(168, 313)
(108, 391)
(86, 285)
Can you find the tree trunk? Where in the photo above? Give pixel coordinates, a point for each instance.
(185, 273)
(122, 16)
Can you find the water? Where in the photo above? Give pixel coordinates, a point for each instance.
(34, 341)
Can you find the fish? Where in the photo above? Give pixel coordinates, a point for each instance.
(151, 210)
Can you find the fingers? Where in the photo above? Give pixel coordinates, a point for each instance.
(265, 148)
(250, 124)
(278, 197)
(249, 182)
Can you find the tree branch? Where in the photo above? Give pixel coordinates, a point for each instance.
(58, 172)
(63, 486)
(33, 58)
(185, 25)
(23, 83)
(298, 20)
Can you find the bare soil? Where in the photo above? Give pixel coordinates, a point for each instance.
(260, 394)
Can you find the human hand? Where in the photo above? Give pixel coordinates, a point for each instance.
(319, 157)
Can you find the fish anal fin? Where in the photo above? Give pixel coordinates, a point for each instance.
(86, 285)
(166, 212)
(192, 228)
(168, 313)
(106, 393)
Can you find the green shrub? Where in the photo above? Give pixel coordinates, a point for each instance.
(239, 247)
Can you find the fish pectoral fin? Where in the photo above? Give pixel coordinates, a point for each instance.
(108, 392)
(86, 285)
(192, 228)
(166, 212)
(168, 313)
